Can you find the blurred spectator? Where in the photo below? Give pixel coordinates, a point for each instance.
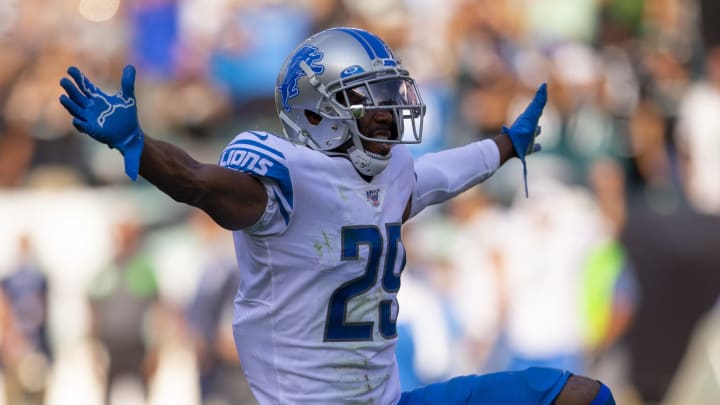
(428, 331)
(478, 39)
(123, 296)
(244, 63)
(16, 143)
(25, 349)
(551, 21)
(697, 380)
(675, 258)
(476, 288)
(209, 313)
(588, 131)
(665, 71)
(609, 292)
(698, 138)
(651, 171)
(552, 235)
(16, 150)
(709, 13)
(154, 46)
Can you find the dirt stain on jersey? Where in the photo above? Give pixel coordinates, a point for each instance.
(325, 247)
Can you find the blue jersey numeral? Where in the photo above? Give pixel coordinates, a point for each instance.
(336, 327)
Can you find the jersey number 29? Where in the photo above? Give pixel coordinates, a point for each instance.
(336, 327)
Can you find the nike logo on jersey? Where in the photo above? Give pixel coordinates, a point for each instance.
(246, 161)
(261, 136)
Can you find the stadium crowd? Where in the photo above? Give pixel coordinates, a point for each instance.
(111, 293)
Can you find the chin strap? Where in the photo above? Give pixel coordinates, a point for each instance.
(365, 163)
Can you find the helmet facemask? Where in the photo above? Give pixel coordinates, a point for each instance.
(348, 102)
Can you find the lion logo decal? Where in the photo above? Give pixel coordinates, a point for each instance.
(289, 87)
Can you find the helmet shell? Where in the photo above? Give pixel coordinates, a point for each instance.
(336, 58)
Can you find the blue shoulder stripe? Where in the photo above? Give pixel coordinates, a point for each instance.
(260, 164)
(258, 145)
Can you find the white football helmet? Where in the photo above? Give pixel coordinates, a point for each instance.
(318, 76)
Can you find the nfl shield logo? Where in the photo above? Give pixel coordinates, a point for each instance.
(373, 196)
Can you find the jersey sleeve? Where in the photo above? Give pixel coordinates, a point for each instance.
(442, 175)
(263, 155)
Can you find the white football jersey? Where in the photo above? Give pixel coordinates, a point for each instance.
(315, 311)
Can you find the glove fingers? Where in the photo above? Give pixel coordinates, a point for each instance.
(81, 126)
(128, 82)
(72, 107)
(535, 147)
(535, 108)
(75, 95)
(85, 85)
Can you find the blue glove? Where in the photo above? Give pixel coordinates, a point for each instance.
(110, 119)
(525, 129)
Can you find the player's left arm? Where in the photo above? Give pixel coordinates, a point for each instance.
(443, 175)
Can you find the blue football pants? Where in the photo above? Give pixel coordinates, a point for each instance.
(535, 385)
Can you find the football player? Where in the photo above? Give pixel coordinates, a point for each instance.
(316, 214)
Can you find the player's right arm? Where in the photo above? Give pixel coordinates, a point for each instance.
(234, 199)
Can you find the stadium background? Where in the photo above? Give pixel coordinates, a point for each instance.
(611, 268)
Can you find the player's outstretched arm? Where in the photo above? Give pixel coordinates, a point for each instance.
(443, 175)
(235, 200)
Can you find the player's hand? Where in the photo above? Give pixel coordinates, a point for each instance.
(525, 129)
(110, 119)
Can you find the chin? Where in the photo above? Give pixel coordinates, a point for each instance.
(384, 151)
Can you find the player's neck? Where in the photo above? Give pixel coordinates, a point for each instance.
(365, 177)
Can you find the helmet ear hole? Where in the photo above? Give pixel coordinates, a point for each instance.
(312, 117)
